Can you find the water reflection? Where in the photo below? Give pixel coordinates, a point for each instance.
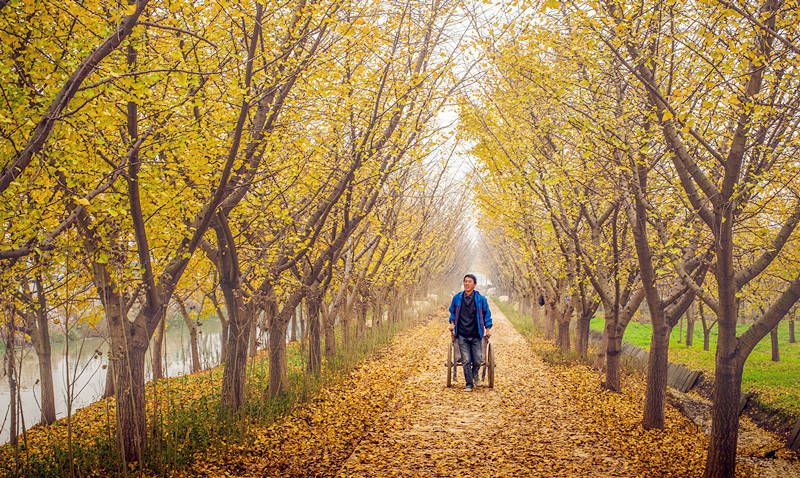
(87, 373)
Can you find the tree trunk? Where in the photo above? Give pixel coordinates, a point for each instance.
(361, 324)
(773, 335)
(347, 338)
(396, 314)
(721, 458)
(613, 354)
(193, 347)
(303, 328)
(232, 394)
(563, 335)
(690, 330)
(314, 364)
(44, 355)
(391, 312)
(278, 379)
(377, 314)
(539, 315)
(330, 334)
(127, 352)
(224, 323)
(292, 328)
(108, 391)
(657, 366)
(234, 372)
(192, 326)
(11, 373)
(253, 346)
(792, 338)
(582, 337)
(549, 320)
(706, 328)
(158, 349)
(128, 371)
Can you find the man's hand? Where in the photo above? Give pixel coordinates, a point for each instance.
(487, 333)
(452, 327)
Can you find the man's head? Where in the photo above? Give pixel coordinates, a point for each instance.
(469, 283)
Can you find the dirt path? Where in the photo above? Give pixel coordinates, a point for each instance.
(519, 428)
(394, 416)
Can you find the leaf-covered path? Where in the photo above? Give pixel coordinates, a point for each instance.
(523, 426)
(393, 416)
(539, 420)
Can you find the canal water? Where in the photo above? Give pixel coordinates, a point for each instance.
(87, 375)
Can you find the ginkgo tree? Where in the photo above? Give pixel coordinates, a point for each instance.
(689, 110)
(240, 152)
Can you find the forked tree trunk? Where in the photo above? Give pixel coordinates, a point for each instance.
(792, 338)
(721, 458)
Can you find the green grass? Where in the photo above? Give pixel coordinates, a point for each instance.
(777, 383)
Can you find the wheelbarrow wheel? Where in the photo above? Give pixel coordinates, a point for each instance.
(490, 364)
(449, 364)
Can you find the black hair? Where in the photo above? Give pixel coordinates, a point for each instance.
(471, 276)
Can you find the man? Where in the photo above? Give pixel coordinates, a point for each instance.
(470, 321)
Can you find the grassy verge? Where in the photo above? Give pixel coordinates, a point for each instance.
(182, 417)
(776, 383)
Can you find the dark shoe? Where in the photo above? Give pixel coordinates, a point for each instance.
(468, 388)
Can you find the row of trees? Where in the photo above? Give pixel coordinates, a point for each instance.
(645, 153)
(259, 155)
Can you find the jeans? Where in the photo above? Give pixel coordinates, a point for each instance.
(471, 357)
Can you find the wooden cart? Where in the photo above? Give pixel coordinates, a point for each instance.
(454, 363)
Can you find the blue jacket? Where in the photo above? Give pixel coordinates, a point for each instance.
(482, 307)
